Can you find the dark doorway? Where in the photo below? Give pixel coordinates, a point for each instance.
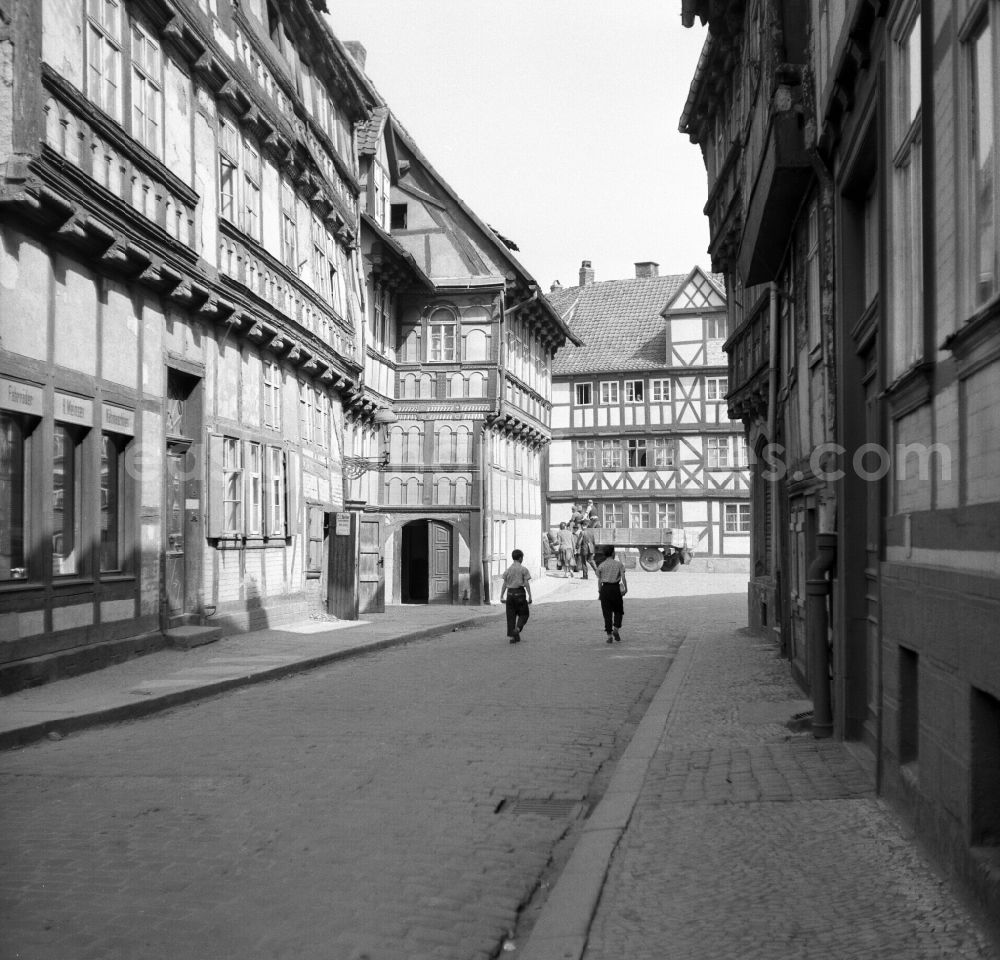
(426, 563)
(413, 581)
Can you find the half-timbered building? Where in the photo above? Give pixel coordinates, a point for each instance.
(852, 154)
(460, 342)
(179, 312)
(639, 417)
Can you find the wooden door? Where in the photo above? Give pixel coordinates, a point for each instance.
(342, 569)
(371, 568)
(440, 565)
(175, 547)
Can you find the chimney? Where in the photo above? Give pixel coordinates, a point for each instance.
(647, 268)
(586, 273)
(357, 50)
(556, 285)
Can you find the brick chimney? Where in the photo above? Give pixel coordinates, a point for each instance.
(556, 285)
(647, 268)
(586, 273)
(357, 50)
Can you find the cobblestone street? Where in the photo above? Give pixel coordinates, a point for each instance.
(348, 812)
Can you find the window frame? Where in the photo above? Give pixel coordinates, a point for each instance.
(740, 511)
(19, 499)
(99, 34)
(663, 385)
(75, 436)
(637, 390)
(986, 21)
(640, 510)
(585, 454)
(711, 327)
(586, 387)
(666, 507)
(612, 387)
(717, 445)
(636, 453)
(668, 446)
(438, 334)
(115, 511)
(141, 78)
(720, 385)
(614, 448)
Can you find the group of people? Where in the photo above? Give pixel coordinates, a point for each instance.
(611, 589)
(573, 544)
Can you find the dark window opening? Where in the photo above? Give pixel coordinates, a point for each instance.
(397, 216)
(909, 742)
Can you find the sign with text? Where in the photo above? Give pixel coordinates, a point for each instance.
(117, 420)
(342, 527)
(20, 397)
(70, 409)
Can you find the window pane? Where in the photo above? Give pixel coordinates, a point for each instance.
(110, 503)
(66, 499)
(13, 564)
(984, 160)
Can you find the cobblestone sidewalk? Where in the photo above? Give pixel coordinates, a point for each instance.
(750, 841)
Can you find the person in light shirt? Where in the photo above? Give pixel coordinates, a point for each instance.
(611, 588)
(517, 591)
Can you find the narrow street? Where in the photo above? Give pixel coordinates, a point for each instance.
(399, 805)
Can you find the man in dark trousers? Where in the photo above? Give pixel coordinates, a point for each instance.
(587, 551)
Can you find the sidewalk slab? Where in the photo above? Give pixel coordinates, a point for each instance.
(167, 678)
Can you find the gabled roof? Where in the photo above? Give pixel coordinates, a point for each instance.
(619, 321)
(699, 291)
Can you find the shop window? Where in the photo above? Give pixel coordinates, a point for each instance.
(112, 490)
(14, 486)
(67, 500)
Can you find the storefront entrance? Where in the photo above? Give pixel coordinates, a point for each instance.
(426, 562)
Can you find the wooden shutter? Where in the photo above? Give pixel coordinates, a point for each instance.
(215, 513)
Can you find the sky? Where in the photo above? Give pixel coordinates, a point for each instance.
(554, 120)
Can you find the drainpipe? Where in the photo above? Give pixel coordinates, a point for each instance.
(817, 631)
(772, 418)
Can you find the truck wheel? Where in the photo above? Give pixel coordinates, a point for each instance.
(650, 559)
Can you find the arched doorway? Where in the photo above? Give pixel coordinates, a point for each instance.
(425, 565)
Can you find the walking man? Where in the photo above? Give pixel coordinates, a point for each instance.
(517, 591)
(611, 588)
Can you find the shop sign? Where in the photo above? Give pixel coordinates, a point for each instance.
(117, 420)
(70, 409)
(20, 397)
(342, 526)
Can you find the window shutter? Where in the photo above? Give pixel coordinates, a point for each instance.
(214, 524)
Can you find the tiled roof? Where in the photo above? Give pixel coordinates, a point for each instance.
(369, 132)
(618, 321)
